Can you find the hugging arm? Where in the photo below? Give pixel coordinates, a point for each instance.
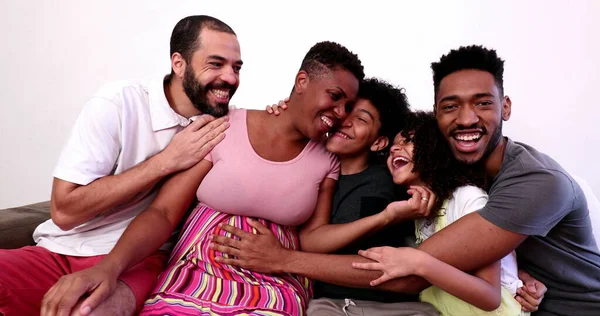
(318, 235)
(146, 233)
(94, 148)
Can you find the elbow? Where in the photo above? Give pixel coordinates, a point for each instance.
(308, 244)
(411, 284)
(61, 218)
(492, 304)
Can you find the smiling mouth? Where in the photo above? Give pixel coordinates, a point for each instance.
(327, 121)
(399, 162)
(221, 94)
(467, 141)
(342, 135)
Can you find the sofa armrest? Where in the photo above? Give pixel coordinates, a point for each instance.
(18, 223)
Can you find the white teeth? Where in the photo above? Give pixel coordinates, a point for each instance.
(223, 94)
(342, 135)
(396, 161)
(327, 121)
(468, 137)
(400, 158)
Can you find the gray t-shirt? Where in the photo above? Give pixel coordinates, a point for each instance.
(533, 195)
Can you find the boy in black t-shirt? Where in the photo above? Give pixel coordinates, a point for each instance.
(364, 189)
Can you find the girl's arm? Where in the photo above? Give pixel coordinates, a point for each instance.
(318, 235)
(481, 290)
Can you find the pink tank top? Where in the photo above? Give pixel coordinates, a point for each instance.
(243, 183)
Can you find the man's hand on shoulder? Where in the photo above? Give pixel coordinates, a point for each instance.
(275, 108)
(192, 144)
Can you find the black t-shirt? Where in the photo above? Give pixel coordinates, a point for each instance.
(357, 196)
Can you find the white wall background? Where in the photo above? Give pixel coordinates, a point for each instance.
(55, 54)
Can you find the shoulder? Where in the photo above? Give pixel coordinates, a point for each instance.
(117, 95)
(379, 176)
(119, 89)
(527, 166)
(376, 181)
(468, 192)
(235, 114)
(317, 150)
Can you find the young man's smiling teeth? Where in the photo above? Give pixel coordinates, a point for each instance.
(467, 136)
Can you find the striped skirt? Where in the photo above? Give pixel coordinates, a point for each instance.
(194, 284)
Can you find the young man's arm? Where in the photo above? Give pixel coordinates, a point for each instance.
(83, 187)
(467, 244)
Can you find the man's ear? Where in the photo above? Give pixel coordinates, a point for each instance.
(178, 65)
(301, 82)
(434, 109)
(379, 144)
(506, 108)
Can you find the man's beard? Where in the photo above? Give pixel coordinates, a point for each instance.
(197, 93)
(494, 140)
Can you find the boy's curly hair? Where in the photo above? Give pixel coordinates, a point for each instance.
(433, 159)
(391, 104)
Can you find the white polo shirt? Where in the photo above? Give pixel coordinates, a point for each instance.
(122, 125)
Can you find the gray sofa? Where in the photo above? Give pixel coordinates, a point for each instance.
(18, 223)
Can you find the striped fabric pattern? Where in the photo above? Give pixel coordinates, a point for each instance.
(194, 283)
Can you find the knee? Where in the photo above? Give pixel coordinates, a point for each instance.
(122, 302)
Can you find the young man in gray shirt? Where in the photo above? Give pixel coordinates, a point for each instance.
(534, 205)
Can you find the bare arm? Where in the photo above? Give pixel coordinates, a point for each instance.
(262, 252)
(481, 290)
(146, 233)
(336, 269)
(467, 244)
(318, 235)
(162, 216)
(73, 204)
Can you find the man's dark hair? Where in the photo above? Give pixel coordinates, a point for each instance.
(392, 104)
(331, 56)
(185, 37)
(434, 161)
(469, 57)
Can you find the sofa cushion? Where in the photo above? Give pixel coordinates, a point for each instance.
(18, 223)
